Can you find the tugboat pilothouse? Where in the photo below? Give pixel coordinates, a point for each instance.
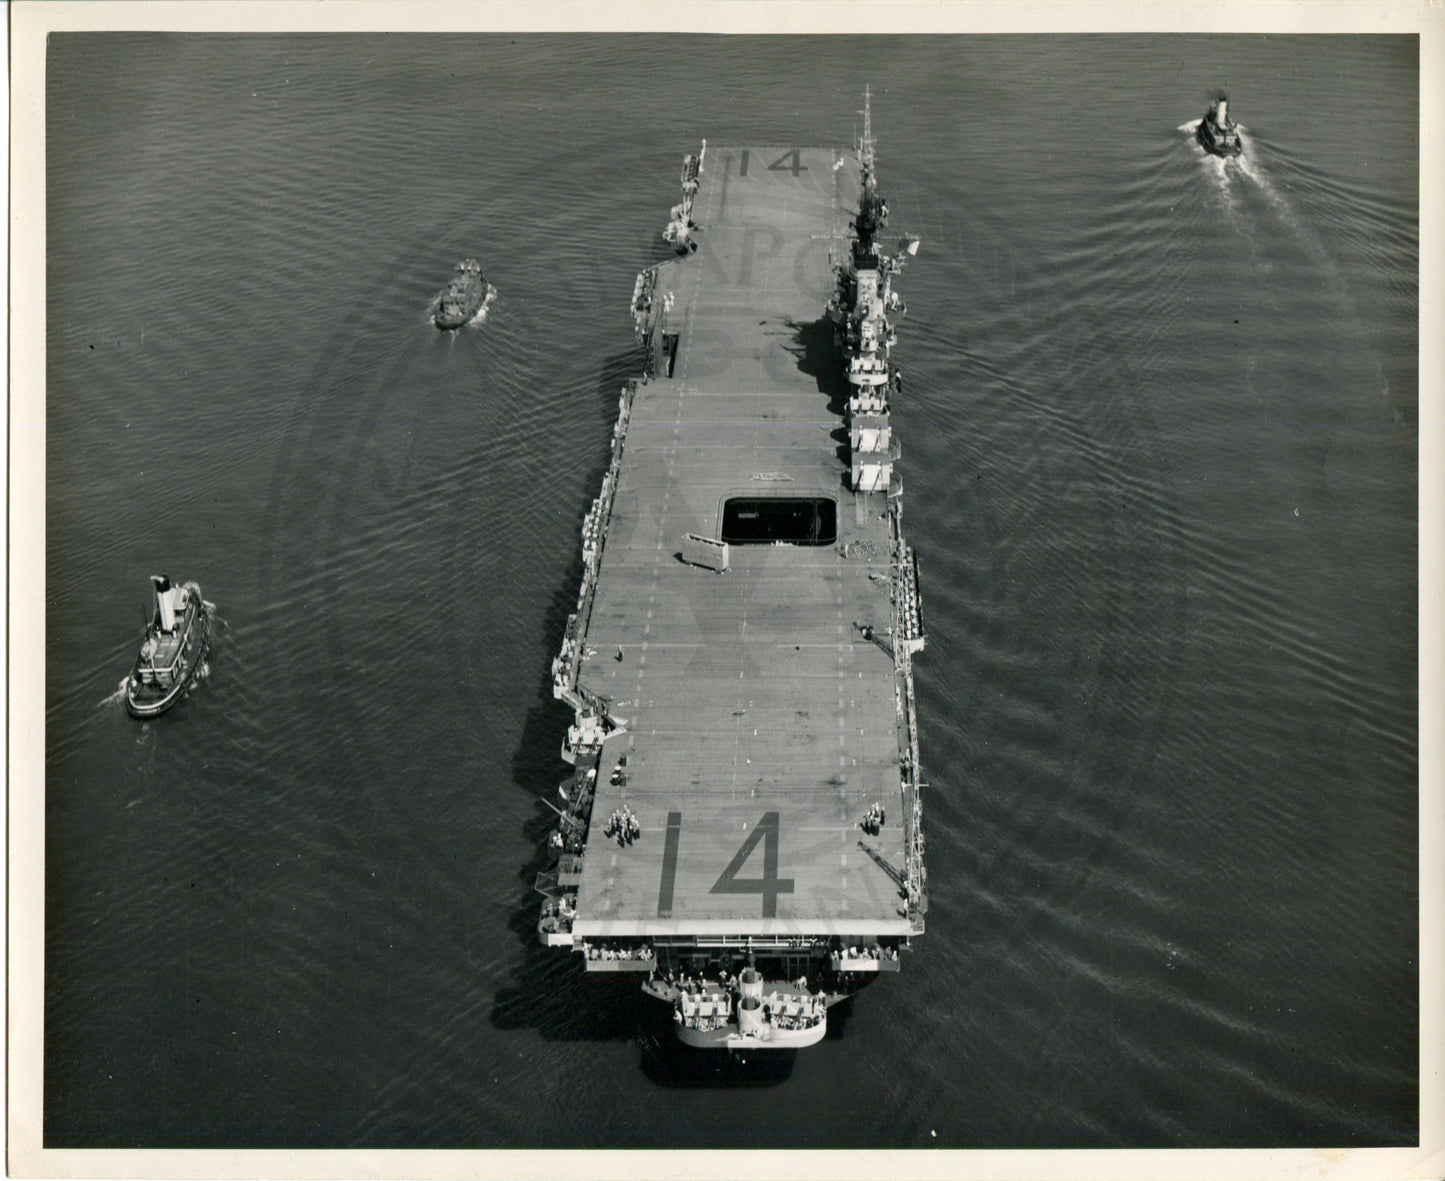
(1218, 134)
(173, 650)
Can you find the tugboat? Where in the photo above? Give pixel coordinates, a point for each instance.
(173, 651)
(1218, 134)
(464, 295)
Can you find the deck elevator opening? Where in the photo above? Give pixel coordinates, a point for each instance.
(797, 520)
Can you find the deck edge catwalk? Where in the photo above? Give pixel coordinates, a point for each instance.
(743, 825)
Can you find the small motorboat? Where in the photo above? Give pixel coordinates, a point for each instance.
(464, 296)
(173, 650)
(1218, 134)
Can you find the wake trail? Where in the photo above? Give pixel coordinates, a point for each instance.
(1215, 167)
(116, 697)
(1250, 169)
(1231, 174)
(1253, 171)
(1247, 169)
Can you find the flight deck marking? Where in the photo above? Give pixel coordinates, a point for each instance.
(769, 885)
(669, 865)
(789, 162)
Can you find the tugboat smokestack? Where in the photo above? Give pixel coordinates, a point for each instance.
(163, 601)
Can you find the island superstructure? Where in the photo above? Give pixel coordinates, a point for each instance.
(743, 827)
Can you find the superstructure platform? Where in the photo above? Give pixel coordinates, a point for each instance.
(743, 824)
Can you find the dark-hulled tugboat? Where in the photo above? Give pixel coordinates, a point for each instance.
(464, 295)
(1218, 134)
(173, 651)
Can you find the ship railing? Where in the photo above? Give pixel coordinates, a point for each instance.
(566, 667)
(742, 942)
(904, 579)
(913, 803)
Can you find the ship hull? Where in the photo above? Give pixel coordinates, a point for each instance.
(742, 727)
(728, 1038)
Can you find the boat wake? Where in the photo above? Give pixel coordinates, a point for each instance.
(1249, 169)
(1253, 173)
(1230, 172)
(115, 698)
(1218, 168)
(1234, 174)
(1238, 177)
(481, 316)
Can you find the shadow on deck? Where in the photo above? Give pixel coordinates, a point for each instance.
(821, 358)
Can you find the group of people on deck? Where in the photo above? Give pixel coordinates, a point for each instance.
(623, 825)
(618, 951)
(874, 820)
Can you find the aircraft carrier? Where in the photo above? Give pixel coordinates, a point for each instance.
(743, 827)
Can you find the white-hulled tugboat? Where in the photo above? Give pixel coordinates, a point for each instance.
(1217, 132)
(173, 651)
(464, 296)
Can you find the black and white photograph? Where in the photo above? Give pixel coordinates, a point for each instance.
(790, 577)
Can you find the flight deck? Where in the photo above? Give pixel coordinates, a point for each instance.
(754, 704)
(746, 749)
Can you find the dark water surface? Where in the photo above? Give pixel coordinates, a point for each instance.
(1160, 440)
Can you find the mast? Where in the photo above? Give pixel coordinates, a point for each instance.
(865, 145)
(872, 210)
